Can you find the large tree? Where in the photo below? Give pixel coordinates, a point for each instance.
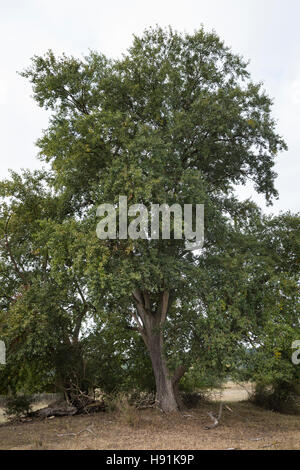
(175, 120)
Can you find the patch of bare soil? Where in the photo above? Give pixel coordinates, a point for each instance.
(242, 426)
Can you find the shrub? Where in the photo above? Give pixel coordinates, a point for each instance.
(194, 399)
(279, 396)
(127, 411)
(18, 406)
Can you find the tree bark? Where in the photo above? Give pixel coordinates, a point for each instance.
(165, 396)
(150, 323)
(179, 372)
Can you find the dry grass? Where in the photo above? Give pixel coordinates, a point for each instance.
(242, 426)
(232, 392)
(245, 427)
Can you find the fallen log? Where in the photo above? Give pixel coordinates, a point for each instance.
(63, 408)
(60, 408)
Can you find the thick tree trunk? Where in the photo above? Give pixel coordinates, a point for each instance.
(150, 325)
(165, 396)
(179, 372)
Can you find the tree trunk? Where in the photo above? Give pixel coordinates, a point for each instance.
(150, 325)
(179, 372)
(165, 396)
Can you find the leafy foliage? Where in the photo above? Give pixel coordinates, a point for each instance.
(18, 406)
(177, 119)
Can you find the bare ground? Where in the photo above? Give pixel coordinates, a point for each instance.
(242, 426)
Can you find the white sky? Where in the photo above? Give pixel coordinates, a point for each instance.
(265, 31)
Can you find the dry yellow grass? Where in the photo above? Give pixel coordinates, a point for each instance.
(244, 427)
(232, 392)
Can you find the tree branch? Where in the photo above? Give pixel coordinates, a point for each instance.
(179, 372)
(164, 306)
(17, 269)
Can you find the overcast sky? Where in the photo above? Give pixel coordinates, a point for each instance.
(265, 31)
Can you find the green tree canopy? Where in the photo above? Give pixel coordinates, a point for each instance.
(176, 120)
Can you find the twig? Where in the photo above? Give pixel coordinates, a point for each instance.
(76, 433)
(214, 419)
(269, 445)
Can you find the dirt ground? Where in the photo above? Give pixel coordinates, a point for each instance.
(242, 426)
